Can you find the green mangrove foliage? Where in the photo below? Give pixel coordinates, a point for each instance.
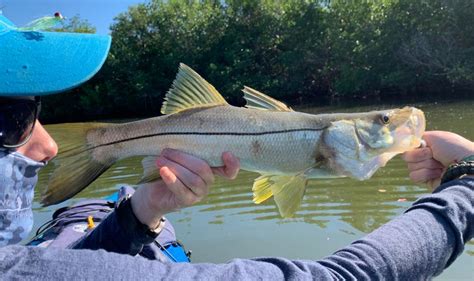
(297, 51)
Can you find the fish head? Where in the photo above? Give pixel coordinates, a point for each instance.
(390, 131)
(356, 145)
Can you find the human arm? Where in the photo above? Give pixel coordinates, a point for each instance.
(415, 246)
(185, 181)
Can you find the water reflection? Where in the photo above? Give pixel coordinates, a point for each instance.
(360, 204)
(333, 212)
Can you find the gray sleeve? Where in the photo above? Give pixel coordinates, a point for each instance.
(112, 237)
(417, 245)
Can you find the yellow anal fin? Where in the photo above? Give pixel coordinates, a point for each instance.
(258, 100)
(150, 170)
(190, 90)
(261, 189)
(287, 191)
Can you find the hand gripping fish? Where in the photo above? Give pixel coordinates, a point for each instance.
(286, 147)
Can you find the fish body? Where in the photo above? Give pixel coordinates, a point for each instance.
(286, 147)
(265, 141)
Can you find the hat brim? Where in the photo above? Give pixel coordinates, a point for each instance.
(42, 63)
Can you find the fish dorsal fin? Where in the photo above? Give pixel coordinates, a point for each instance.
(287, 191)
(190, 90)
(258, 100)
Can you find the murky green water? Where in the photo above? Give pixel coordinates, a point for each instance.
(333, 213)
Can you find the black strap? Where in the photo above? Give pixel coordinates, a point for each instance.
(458, 169)
(131, 225)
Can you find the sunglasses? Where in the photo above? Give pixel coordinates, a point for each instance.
(17, 120)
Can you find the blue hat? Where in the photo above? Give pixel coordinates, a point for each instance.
(35, 63)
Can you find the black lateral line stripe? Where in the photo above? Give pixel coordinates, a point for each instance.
(205, 134)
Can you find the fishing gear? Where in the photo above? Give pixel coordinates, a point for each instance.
(43, 23)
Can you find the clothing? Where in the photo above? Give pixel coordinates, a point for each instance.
(18, 177)
(414, 246)
(116, 233)
(37, 63)
(112, 231)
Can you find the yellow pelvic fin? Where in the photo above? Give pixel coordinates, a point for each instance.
(258, 100)
(150, 170)
(190, 90)
(287, 191)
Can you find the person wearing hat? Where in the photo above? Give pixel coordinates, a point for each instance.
(33, 64)
(417, 245)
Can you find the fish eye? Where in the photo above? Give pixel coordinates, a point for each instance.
(385, 119)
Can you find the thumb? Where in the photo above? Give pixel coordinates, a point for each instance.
(448, 147)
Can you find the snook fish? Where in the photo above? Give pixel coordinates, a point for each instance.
(286, 147)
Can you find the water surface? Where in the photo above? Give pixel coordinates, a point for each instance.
(334, 212)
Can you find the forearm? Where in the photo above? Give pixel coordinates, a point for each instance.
(120, 231)
(417, 245)
(110, 236)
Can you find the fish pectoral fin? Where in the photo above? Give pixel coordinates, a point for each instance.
(287, 191)
(258, 100)
(150, 170)
(190, 90)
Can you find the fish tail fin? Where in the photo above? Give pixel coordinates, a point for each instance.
(287, 191)
(77, 165)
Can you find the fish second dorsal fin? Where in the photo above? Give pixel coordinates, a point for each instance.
(258, 100)
(190, 90)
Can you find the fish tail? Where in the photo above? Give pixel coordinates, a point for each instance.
(77, 164)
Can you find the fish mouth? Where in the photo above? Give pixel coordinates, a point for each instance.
(406, 129)
(409, 128)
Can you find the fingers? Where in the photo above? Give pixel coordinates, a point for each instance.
(188, 162)
(418, 155)
(422, 167)
(425, 164)
(231, 166)
(426, 175)
(184, 196)
(194, 174)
